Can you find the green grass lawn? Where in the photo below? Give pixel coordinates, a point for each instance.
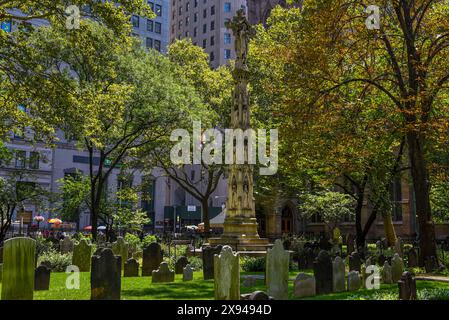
(141, 288)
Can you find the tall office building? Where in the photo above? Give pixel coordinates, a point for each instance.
(204, 22)
(154, 33)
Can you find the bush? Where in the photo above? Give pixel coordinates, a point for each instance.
(148, 240)
(43, 245)
(433, 294)
(252, 264)
(196, 263)
(58, 262)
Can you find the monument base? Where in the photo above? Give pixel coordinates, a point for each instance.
(240, 233)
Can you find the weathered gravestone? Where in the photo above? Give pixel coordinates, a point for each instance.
(66, 245)
(208, 260)
(397, 268)
(322, 269)
(42, 278)
(277, 264)
(227, 275)
(163, 274)
(187, 273)
(180, 264)
(152, 258)
(386, 273)
(398, 247)
(354, 281)
(131, 268)
(306, 258)
(105, 278)
(120, 248)
(18, 269)
(338, 277)
(304, 286)
(256, 295)
(82, 253)
(407, 287)
(412, 258)
(249, 281)
(355, 262)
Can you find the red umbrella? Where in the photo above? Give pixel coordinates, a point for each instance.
(88, 228)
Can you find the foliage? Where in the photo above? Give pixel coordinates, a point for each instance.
(196, 263)
(433, 294)
(43, 245)
(252, 264)
(333, 207)
(148, 239)
(439, 200)
(75, 196)
(58, 261)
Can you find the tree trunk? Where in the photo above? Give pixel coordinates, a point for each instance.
(206, 220)
(421, 187)
(360, 237)
(390, 233)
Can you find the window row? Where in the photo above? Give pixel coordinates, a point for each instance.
(153, 44)
(22, 162)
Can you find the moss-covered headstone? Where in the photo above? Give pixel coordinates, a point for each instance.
(120, 248)
(82, 253)
(277, 264)
(18, 269)
(227, 275)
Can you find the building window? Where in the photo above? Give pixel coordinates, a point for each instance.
(227, 54)
(212, 25)
(205, 13)
(173, 15)
(204, 28)
(34, 160)
(157, 27)
(195, 31)
(179, 24)
(227, 38)
(173, 28)
(158, 10)
(212, 56)
(151, 5)
(187, 6)
(21, 156)
(227, 7)
(180, 11)
(149, 43)
(212, 10)
(196, 3)
(204, 43)
(149, 25)
(157, 45)
(187, 21)
(195, 17)
(396, 199)
(135, 21)
(212, 40)
(187, 34)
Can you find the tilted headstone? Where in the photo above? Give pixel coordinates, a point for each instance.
(407, 287)
(397, 268)
(180, 264)
(18, 269)
(338, 277)
(256, 295)
(152, 258)
(398, 247)
(82, 253)
(249, 281)
(187, 273)
(355, 262)
(277, 264)
(354, 281)
(208, 260)
(66, 245)
(163, 274)
(412, 258)
(42, 278)
(131, 268)
(105, 278)
(322, 269)
(304, 286)
(227, 275)
(386, 273)
(120, 248)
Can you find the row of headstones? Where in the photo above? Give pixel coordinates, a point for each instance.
(330, 276)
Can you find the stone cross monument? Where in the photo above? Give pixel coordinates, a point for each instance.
(240, 225)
